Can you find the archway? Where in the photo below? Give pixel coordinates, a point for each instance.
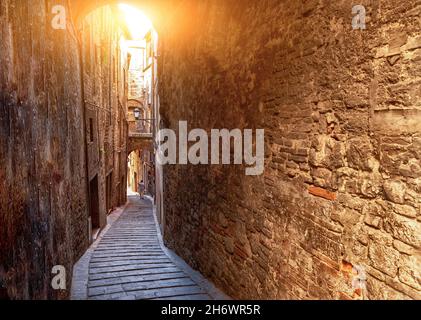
(156, 10)
(113, 40)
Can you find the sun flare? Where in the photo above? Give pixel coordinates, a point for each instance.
(137, 22)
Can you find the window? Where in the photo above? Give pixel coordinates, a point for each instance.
(149, 50)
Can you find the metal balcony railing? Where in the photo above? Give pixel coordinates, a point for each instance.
(142, 128)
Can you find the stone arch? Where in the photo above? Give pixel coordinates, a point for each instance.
(136, 100)
(138, 144)
(154, 9)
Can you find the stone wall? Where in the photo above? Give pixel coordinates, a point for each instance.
(341, 111)
(43, 174)
(136, 78)
(43, 196)
(105, 88)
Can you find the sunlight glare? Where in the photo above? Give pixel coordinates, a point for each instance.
(137, 22)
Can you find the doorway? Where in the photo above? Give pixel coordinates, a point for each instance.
(123, 191)
(109, 183)
(94, 206)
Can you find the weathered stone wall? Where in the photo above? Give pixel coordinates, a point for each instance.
(341, 110)
(44, 204)
(136, 78)
(105, 88)
(43, 211)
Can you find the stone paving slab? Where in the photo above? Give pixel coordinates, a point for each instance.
(135, 279)
(129, 262)
(135, 273)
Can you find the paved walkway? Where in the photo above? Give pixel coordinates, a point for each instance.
(129, 262)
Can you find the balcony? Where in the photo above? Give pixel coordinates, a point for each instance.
(141, 129)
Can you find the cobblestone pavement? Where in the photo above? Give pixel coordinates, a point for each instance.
(129, 263)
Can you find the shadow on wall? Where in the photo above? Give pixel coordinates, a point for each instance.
(218, 219)
(3, 290)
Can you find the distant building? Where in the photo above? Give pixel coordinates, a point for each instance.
(141, 114)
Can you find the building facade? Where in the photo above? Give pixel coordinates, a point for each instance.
(141, 111)
(106, 61)
(63, 141)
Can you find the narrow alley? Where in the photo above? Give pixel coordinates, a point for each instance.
(130, 263)
(207, 150)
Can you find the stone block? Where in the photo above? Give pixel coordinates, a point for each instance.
(410, 271)
(397, 121)
(395, 191)
(359, 153)
(384, 258)
(403, 247)
(326, 152)
(404, 229)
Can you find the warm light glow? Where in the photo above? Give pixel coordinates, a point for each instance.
(137, 22)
